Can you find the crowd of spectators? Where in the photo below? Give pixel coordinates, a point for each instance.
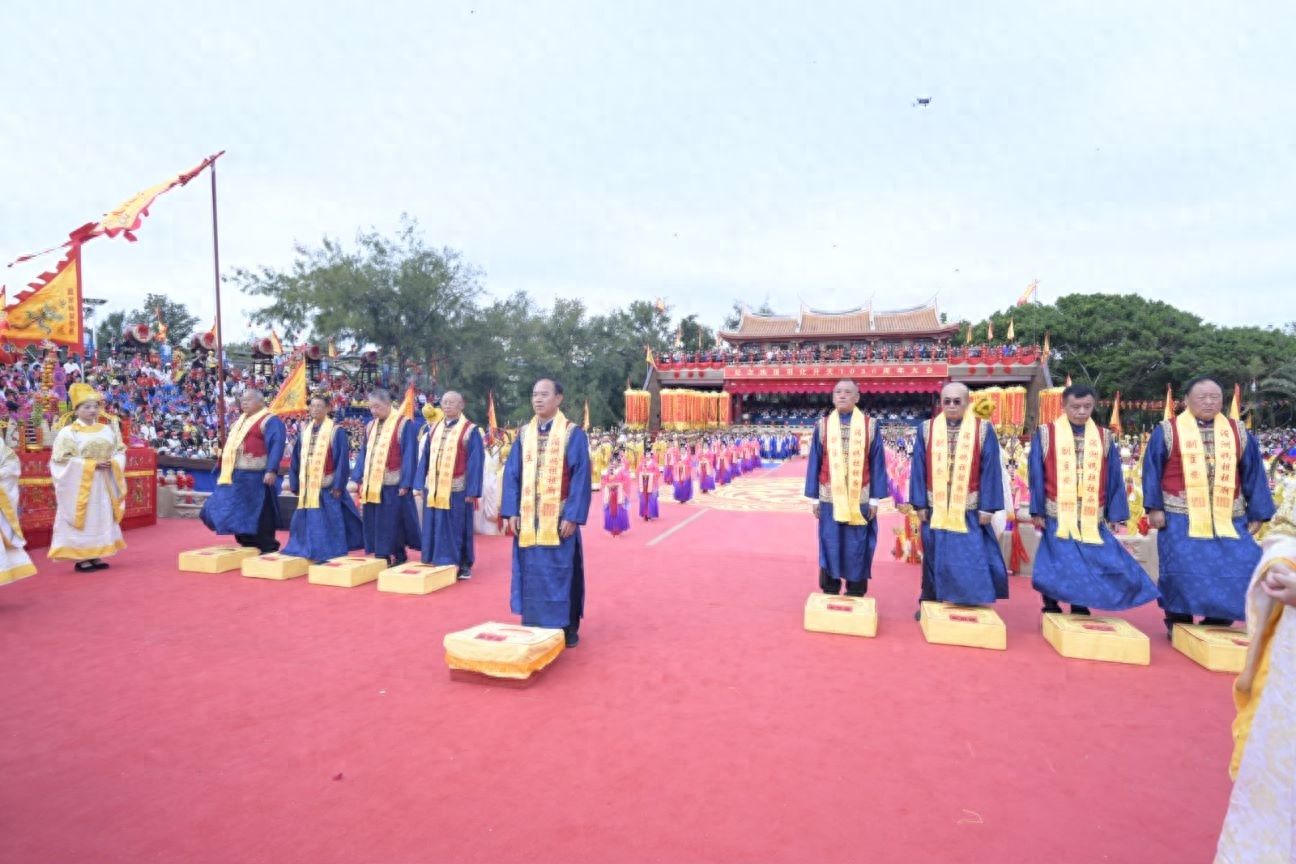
(871, 351)
(175, 411)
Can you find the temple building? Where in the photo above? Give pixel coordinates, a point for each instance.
(781, 369)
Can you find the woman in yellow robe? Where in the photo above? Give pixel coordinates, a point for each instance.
(1260, 827)
(88, 467)
(14, 563)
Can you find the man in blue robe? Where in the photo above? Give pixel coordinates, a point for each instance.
(1204, 576)
(548, 586)
(964, 567)
(383, 474)
(245, 501)
(846, 550)
(1102, 574)
(448, 530)
(331, 527)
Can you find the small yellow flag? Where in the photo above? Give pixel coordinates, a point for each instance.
(291, 398)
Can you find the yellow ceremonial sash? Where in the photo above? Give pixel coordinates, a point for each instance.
(1077, 502)
(310, 473)
(1210, 511)
(847, 469)
(229, 456)
(11, 516)
(949, 510)
(442, 454)
(377, 446)
(543, 482)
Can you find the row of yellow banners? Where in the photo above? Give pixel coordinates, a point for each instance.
(694, 409)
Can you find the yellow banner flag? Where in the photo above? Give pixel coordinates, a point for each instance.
(51, 309)
(1169, 412)
(292, 396)
(1235, 410)
(406, 407)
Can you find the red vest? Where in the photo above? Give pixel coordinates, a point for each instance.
(254, 441)
(394, 451)
(461, 458)
(825, 467)
(304, 434)
(974, 477)
(1172, 476)
(1051, 472)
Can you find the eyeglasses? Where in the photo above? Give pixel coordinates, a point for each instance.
(951, 401)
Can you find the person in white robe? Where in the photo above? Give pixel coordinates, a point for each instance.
(88, 466)
(1260, 827)
(14, 562)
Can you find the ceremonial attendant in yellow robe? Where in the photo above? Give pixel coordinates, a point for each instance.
(88, 466)
(1260, 827)
(14, 563)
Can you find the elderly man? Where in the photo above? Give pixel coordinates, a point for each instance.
(1206, 493)
(956, 486)
(383, 473)
(326, 523)
(546, 499)
(244, 502)
(846, 476)
(1077, 490)
(449, 474)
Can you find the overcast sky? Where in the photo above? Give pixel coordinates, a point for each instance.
(701, 151)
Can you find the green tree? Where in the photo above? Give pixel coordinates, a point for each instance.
(410, 300)
(110, 330)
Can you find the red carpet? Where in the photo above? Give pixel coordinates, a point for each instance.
(148, 715)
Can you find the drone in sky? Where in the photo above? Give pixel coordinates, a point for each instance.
(922, 102)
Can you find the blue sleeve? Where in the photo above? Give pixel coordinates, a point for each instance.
(1154, 459)
(295, 468)
(1036, 476)
(341, 453)
(578, 495)
(1117, 498)
(991, 497)
(879, 488)
(918, 472)
(476, 460)
(275, 436)
(511, 494)
(1255, 484)
(409, 453)
(421, 464)
(357, 472)
(813, 462)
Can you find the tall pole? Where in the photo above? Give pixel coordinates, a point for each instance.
(220, 337)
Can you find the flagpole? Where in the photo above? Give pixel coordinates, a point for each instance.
(220, 337)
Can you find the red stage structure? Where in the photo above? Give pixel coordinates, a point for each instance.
(908, 351)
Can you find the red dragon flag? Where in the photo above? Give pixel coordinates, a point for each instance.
(50, 310)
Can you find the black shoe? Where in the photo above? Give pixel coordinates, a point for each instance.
(1079, 610)
(464, 574)
(1216, 622)
(572, 638)
(1052, 606)
(918, 615)
(84, 567)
